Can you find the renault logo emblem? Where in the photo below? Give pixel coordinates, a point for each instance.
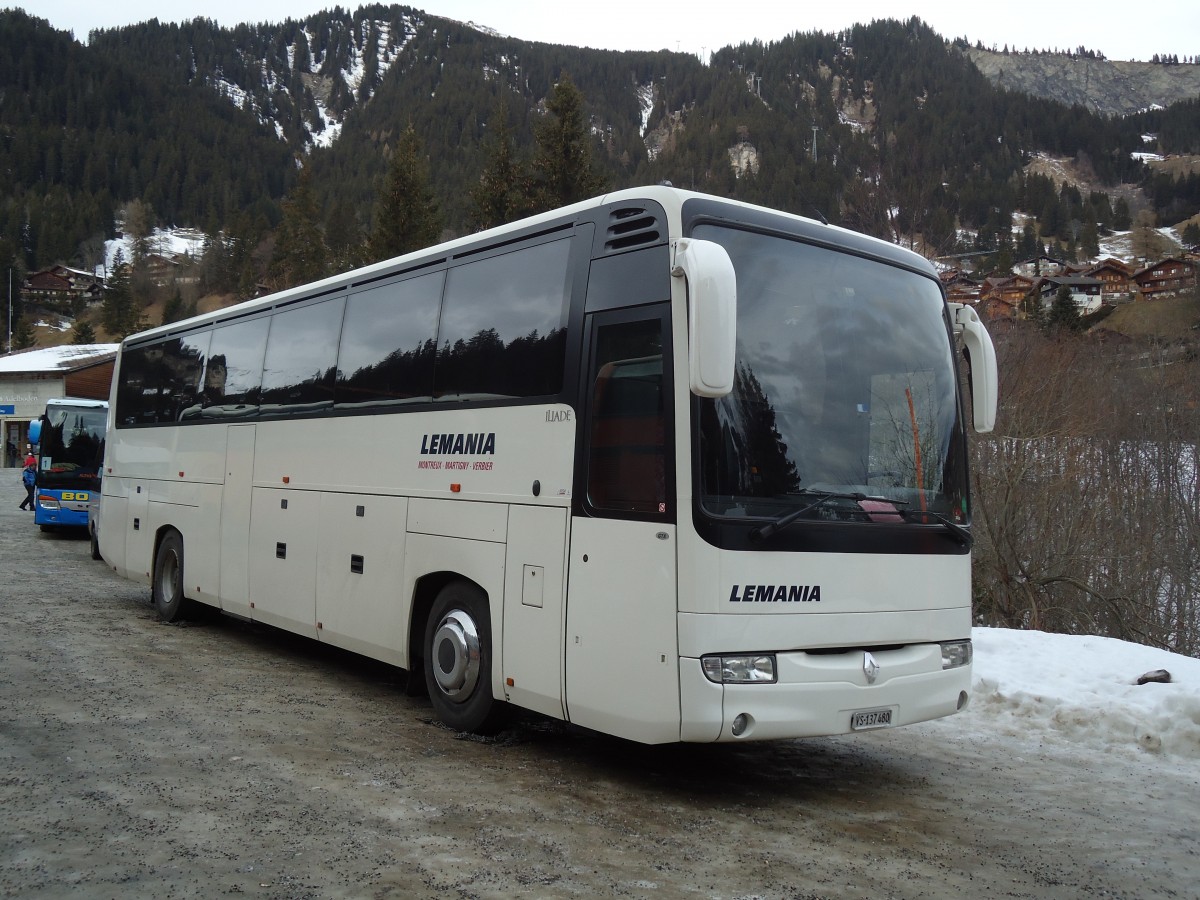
(870, 667)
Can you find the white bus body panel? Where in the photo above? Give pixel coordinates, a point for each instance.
(531, 657)
(622, 644)
(236, 507)
(360, 567)
(908, 603)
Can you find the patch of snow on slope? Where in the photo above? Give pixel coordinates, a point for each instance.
(645, 95)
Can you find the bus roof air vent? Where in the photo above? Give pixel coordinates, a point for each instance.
(632, 226)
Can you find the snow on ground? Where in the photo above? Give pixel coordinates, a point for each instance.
(169, 242)
(1083, 689)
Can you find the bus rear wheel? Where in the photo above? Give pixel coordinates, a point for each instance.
(458, 660)
(167, 587)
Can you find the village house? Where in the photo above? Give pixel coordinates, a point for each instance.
(1166, 278)
(1116, 279)
(1085, 292)
(1038, 266)
(960, 288)
(1004, 296)
(60, 285)
(166, 269)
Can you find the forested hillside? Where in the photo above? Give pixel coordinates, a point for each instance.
(888, 128)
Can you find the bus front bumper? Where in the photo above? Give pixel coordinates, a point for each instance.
(823, 694)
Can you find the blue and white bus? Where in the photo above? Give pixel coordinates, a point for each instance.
(70, 447)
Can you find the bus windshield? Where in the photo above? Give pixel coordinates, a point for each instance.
(845, 386)
(70, 445)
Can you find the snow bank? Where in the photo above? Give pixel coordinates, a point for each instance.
(1084, 689)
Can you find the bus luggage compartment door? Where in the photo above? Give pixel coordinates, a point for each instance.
(622, 638)
(533, 620)
(235, 519)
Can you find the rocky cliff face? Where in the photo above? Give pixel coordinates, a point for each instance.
(1104, 86)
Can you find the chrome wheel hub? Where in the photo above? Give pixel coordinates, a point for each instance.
(455, 651)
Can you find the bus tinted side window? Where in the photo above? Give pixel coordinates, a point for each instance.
(301, 358)
(627, 469)
(137, 375)
(159, 381)
(388, 340)
(183, 365)
(233, 376)
(502, 330)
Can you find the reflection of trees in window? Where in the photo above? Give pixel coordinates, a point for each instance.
(401, 375)
(907, 438)
(743, 452)
(527, 366)
(300, 363)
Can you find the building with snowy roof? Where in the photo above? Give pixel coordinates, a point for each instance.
(28, 378)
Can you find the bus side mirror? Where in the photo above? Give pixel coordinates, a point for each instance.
(985, 374)
(712, 315)
(35, 431)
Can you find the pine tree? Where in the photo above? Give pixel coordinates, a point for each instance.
(500, 195)
(407, 216)
(1089, 239)
(83, 332)
(563, 167)
(23, 335)
(139, 225)
(119, 316)
(1062, 313)
(344, 236)
(174, 309)
(1122, 218)
(300, 252)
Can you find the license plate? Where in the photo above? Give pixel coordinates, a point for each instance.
(870, 718)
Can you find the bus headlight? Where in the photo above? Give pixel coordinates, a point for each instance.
(45, 501)
(956, 653)
(749, 668)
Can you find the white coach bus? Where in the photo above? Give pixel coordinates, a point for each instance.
(667, 466)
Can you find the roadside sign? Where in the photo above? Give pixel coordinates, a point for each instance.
(8, 409)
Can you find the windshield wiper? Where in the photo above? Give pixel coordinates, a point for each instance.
(765, 531)
(960, 534)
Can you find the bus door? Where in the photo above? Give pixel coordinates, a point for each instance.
(622, 669)
(235, 519)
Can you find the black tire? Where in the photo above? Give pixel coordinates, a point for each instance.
(458, 661)
(167, 586)
(95, 544)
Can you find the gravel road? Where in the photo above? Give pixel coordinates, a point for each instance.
(221, 758)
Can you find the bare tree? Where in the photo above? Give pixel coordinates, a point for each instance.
(1086, 495)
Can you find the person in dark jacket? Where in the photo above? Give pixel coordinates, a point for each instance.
(29, 479)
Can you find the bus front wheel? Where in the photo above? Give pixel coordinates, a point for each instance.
(168, 579)
(458, 660)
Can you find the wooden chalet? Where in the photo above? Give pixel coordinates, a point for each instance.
(1166, 278)
(168, 268)
(1117, 285)
(1004, 296)
(960, 288)
(60, 284)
